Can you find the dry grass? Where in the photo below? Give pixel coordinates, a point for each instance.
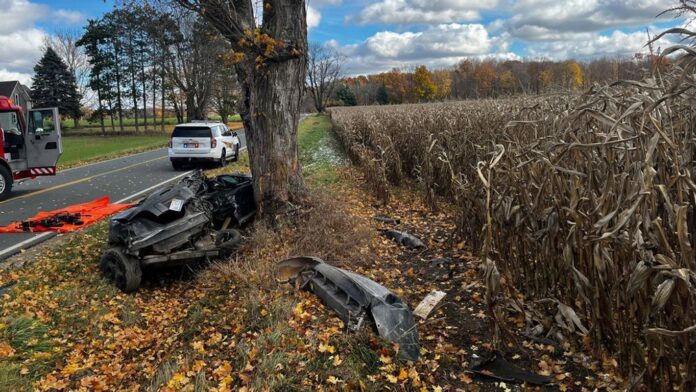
(584, 206)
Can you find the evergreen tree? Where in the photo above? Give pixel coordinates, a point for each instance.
(55, 86)
(346, 95)
(382, 95)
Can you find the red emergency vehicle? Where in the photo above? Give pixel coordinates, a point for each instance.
(30, 146)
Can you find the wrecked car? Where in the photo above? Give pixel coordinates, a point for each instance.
(179, 224)
(357, 300)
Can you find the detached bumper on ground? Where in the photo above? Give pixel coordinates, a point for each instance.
(357, 300)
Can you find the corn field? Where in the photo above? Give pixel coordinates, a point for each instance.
(581, 208)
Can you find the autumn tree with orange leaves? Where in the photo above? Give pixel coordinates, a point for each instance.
(423, 86)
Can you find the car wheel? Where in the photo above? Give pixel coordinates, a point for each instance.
(223, 158)
(176, 165)
(236, 153)
(227, 241)
(123, 271)
(5, 182)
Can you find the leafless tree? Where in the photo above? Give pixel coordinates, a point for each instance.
(64, 42)
(225, 92)
(193, 61)
(323, 72)
(271, 64)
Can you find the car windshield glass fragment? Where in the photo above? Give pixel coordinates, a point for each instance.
(191, 132)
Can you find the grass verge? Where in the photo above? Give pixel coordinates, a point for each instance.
(79, 150)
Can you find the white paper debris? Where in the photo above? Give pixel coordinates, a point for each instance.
(428, 304)
(176, 205)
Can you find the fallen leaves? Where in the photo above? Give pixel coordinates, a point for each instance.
(240, 331)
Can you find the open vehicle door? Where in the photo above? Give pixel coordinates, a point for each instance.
(43, 139)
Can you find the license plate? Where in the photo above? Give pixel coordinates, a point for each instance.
(190, 145)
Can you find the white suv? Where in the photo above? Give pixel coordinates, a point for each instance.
(202, 142)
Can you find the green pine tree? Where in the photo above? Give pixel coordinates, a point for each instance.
(382, 95)
(55, 86)
(346, 95)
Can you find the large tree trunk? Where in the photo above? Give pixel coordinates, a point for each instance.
(270, 113)
(191, 109)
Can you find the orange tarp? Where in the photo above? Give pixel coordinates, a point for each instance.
(90, 212)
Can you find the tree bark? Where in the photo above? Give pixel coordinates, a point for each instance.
(270, 113)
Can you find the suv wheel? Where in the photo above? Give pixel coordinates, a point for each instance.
(236, 153)
(122, 270)
(223, 158)
(176, 165)
(5, 182)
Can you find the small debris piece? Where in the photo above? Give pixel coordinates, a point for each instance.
(440, 261)
(404, 239)
(386, 219)
(495, 366)
(428, 304)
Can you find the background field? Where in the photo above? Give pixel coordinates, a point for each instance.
(69, 123)
(88, 148)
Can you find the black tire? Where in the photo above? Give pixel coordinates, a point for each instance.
(223, 158)
(177, 165)
(227, 241)
(123, 271)
(5, 182)
(236, 153)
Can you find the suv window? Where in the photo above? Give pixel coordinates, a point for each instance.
(191, 132)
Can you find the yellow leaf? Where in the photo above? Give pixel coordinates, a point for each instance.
(222, 371)
(199, 346)
(323, 348)
(337, 360)
(197, 366)
(392, 379)
(385, 359)
(437, 388)
(332, 380)
(264, 312)
(6, 350)
(403, 374)
(177, 381)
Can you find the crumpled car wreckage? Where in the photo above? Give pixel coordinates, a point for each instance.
(179, 224)
(357, 300)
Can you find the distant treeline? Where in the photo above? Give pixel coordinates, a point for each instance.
(472, 79)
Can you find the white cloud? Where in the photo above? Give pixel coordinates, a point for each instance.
(589, 45)
(21, 49)
(23, 78)
(437, 47)
(543, 20)
(405, 12)
(313, 17)
(69, 17)
(22, 41)
(18, 14)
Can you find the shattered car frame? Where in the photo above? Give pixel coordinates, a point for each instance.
(179, 224)
(356, 299)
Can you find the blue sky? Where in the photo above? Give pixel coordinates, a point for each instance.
(379, 35)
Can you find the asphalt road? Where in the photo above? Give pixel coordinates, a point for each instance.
(123, 180)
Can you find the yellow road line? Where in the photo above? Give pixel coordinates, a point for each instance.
(67, 184)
